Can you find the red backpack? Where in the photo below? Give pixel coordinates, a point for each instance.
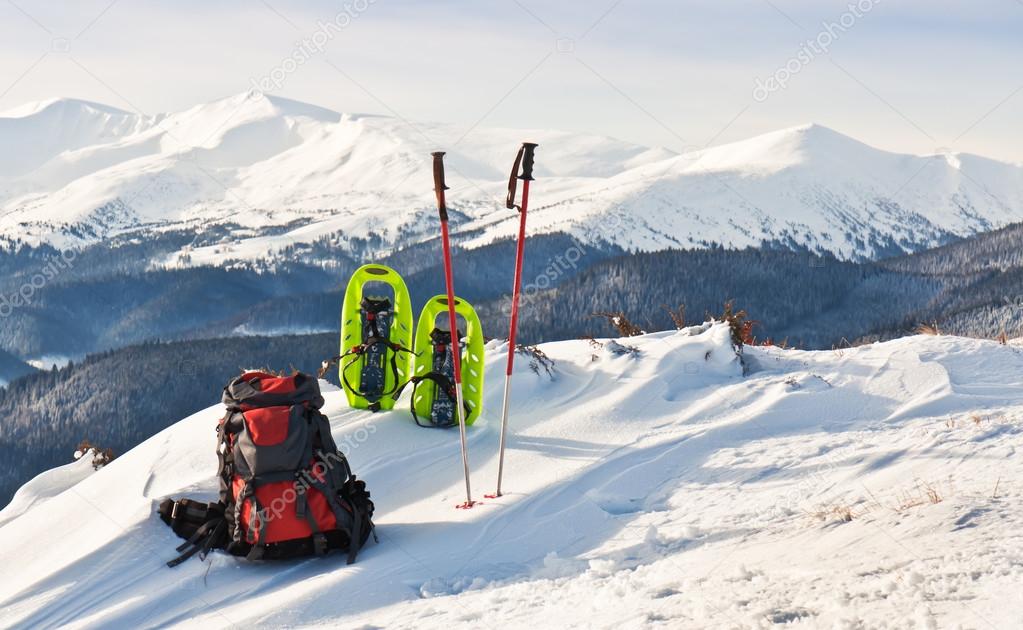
(285, 489)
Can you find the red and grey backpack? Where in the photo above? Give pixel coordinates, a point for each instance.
(285, 489)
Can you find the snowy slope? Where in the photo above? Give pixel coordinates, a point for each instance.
(46, 486)
(36, 133)
(876, 487)
(257, 165)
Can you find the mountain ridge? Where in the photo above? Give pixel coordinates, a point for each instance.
(271, 171)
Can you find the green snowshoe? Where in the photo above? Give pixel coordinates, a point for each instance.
(433, 393)
(376, 337)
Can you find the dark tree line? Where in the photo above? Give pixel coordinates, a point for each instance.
(810, 300)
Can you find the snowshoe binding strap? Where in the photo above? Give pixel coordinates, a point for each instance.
(372, 352)
(376, 329)
(442, 409)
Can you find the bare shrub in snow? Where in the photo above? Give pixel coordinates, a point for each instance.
(840, 513)
(537, 359)
(923, 494)
(613, 347)
(737, 323)
(621, 323)
(100, 457)
(595, 345)
(677, 315)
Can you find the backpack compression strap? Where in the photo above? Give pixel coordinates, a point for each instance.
(204, 540)
(202, 525)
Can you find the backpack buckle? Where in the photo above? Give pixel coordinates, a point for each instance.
(319, 544)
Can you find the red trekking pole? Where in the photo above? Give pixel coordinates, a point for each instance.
(456, 349)
(525, 159)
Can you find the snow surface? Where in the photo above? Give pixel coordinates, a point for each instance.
(808, 187)
(47, 485)
(49, 361)
(84, 172)
(873, 487)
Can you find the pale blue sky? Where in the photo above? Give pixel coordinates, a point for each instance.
(909, 75)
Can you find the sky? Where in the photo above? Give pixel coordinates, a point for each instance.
(905, 75)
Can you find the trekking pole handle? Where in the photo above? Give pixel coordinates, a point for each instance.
(523, 159)
(438, 183)
(527, 161)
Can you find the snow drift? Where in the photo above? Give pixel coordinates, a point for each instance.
(650, 483)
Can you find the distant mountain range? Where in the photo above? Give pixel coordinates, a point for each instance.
(258, 178)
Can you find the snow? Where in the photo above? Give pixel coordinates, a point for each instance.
(49, 361)
(47, 485)
(36, 133)
(872, 487)
(86, 172)
(247, 330)
(254, 161)
(808, 186)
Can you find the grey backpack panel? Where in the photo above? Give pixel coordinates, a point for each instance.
(262, 460)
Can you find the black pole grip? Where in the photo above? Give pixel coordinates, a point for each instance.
(523, 159)
(438, 184)
(527, 161)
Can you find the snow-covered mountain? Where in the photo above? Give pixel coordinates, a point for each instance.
(805, 187)
(268, 172)
(876, 487)
(254, 162)
(37, 133)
